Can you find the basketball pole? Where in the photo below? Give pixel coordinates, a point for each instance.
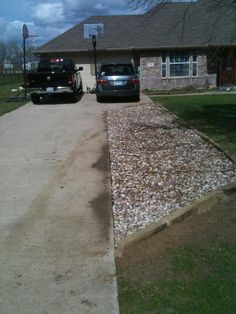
(25, 35)
(24, 65)
(94, 40)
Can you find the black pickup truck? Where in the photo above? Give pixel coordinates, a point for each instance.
(54, 76)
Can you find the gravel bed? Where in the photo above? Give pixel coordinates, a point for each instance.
(157, 166)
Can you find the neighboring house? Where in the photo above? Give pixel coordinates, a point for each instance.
(175, 45)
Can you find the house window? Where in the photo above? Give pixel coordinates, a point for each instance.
(164, 66)
(194, 65)
(179, 64)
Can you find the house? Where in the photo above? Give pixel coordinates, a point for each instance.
(176, 44)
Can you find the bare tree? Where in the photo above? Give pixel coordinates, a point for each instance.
(14, 52)
(3, 52)
(218, 10)
(151, 4)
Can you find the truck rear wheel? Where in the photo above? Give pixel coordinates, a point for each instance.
(81, 89)
(35, 99)
(75, 97)
(99, 98)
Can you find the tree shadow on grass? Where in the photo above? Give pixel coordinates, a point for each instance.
(217, 121)
(223, 117)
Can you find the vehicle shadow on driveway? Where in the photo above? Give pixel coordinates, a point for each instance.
(59, 100)
(117, 100)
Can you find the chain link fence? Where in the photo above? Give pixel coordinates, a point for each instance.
(11, 73)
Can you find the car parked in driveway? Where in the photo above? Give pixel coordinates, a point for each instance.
(117, 80)
(56, 76)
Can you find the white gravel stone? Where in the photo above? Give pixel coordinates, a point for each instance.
(157, 166)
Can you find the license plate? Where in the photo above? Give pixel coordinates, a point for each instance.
(117, 83)
(50, 89)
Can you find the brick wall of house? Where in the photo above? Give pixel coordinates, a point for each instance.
(150, 70)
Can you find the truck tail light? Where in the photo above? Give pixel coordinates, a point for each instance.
(70, 79)
(133, 81)
(102, 82)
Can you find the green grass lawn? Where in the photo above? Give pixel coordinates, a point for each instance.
(189, 268)
(214, 115)
(207, 285)
(7, 105)
(6, 79)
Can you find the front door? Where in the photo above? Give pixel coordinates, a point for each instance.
(227, 75)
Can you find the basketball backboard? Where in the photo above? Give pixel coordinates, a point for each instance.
(91, 30)
(24, 31)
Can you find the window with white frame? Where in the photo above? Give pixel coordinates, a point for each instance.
(178, 64)
(164, 66)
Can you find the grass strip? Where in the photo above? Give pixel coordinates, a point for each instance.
(214, 115)
(6, 103)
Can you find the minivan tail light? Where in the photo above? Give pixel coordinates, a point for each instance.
(133, 81)
(102, 82)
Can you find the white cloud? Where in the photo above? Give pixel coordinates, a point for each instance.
(44, 34)
(100, 6)
(87, 8)
(10, 31)
(13, 27)
(49, 18)
(49, 13)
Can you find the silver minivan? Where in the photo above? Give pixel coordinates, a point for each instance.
(117, 80)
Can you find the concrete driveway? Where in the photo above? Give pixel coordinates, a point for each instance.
(56, 229)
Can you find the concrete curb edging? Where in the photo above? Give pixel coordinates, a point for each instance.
(201, 205)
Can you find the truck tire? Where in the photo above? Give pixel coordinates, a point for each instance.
(99, 98)
(35, 99)
(75, 97)
(81, 89)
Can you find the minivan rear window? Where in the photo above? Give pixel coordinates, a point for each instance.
(117, 69)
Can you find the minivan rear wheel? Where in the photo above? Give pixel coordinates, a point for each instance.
(137, 98)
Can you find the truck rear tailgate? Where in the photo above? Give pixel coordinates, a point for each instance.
(46, 79)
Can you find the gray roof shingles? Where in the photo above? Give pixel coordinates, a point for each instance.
(173, 25)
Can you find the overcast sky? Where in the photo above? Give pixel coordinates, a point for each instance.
(49, 18)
